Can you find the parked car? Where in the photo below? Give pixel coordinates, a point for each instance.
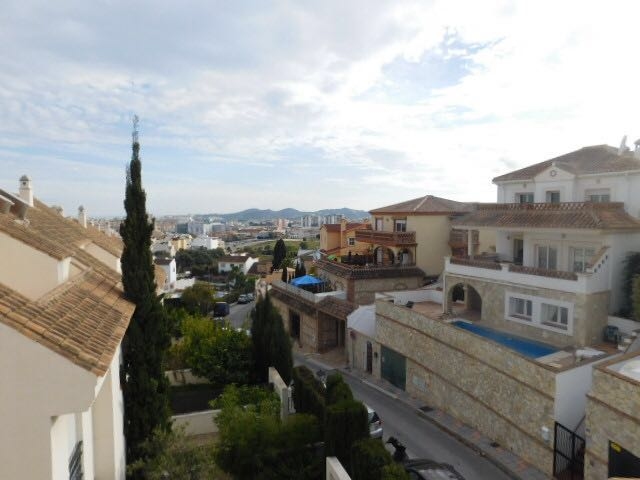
(220, 309)
(243, 299)
(375, 424)
(250, 297)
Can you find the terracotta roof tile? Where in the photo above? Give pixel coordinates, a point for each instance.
(579, 215)
(587, 160)
(85, 318)
(427, 205)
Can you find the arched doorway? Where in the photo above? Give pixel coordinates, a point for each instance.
(383, 256)
(464, 300)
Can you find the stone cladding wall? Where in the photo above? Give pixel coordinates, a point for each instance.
(506, 396)
(590, 312)
(613, 414)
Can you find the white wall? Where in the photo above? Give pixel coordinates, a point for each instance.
(197, 423)
(103, 256)
(624, 324)
(621, 245)
(572, 387)
(422, 295)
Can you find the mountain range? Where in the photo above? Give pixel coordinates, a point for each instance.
(255, 214)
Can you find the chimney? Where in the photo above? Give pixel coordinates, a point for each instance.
(26, 193)
(82, 216)
(636, 152)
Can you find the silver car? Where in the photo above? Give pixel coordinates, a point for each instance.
(375, 424)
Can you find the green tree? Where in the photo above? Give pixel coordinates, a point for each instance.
(222, 355)
(368, 458)
(271, 344)
(146, 341)
(285, 274)
(174, 454)
(199, 298)
(345, 423)
(254, 444)
(279, 254)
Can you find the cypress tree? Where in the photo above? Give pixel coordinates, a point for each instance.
(144, 385)
(271, 344)
(279, 254)
(285, 274)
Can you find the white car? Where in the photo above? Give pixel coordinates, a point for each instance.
(375, 424)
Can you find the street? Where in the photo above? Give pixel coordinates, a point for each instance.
(422, 438)
(238, 313)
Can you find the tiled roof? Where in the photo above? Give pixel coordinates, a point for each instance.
(233, 259)
(336, 307)
(580, 215)
(335, 227)
(587, 160)
(367, 272)
(426, 205)
(83, 319)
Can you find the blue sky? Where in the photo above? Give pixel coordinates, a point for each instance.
(305, 104)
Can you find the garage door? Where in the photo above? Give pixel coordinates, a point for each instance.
(394, 367)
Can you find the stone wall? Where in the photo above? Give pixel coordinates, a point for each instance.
(357, 351)
(613, 414)
(308, 323)
(504, 395)
(362, 291)
(589, 311)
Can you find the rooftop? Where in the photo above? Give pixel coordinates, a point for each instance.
(570, 215)
(427, 205)
(588, 160)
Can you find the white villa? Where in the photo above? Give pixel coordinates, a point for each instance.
(563, 228)
(62, 320)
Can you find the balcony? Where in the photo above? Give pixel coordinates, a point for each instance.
(595, 279)
(368, 271)
(389, 239)
(459, 238)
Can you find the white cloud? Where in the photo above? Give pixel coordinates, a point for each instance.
(302, 104)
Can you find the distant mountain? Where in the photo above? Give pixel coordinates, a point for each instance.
(255, 214)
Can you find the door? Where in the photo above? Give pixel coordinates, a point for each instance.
(622, 463)
(369, 357)
(393, 367)
(518, 251)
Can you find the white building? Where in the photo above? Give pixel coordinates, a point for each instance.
(210, 243)
(62, 319)
(165, 247)
(243, 263)
(168, 265)
(199, 228)
(564, 228)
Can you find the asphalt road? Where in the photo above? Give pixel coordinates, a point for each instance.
(239, 313)
(422, 438)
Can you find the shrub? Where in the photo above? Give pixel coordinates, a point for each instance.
(368, 457)
(337, 389)
(308, 393)
(394, 471)
(345, 423)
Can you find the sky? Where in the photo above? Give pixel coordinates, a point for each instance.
(305, 104)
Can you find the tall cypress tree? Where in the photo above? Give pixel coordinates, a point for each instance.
(144, 386)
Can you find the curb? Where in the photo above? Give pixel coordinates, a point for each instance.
(421, 414)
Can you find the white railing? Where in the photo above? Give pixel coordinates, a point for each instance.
(592, 281)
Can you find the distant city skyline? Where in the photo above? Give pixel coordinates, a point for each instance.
(302, 104)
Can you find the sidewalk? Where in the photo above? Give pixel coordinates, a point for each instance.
(502, 458)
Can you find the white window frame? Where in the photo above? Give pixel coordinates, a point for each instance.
(560, 313)
(400, 222)
(598, 195)
(351, 241)
(520, 308)
(583, 259)
(546, 248)
(520, 195)
(548, 195)
(536, 320)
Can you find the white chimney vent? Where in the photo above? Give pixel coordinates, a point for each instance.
(26, 192)
(82, 216)
(636, 152)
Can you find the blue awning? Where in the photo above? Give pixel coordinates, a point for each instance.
(306, 280)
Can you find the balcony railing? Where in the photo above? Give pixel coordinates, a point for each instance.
(543, 272)
(473, 262)
(390, 239)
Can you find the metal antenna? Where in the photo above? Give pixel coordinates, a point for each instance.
(134, 134)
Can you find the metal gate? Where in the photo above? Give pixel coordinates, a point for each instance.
(568, 454)
(393, 367)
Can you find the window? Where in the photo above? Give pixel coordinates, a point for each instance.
(553, 197)
(581, 258)
(524, 197)
(379, 224)
(520, 308)
(351, 241)
(601, 195)
(547, 257)
(555, 316)
(400, 225)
